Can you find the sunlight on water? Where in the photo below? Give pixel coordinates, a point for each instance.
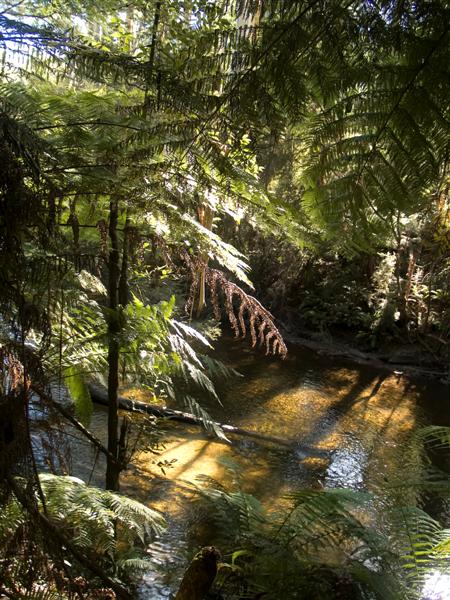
(347, 466)
(345, 424)
(437, 587)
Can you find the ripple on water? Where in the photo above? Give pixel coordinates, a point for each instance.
(437, 587)
(347, 465)
(168, 555)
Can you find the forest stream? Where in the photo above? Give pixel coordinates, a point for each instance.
(345, 422)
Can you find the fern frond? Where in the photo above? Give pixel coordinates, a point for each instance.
(200, 413)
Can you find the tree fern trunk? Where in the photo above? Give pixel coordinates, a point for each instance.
(200, 575)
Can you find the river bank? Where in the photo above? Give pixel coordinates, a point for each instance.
(401, 359)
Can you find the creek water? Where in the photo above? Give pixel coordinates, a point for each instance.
(345, 423)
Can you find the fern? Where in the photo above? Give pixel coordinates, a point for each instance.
(93, 516)
(112, 530)
(378, 147)
(209, 424)
(90, 113)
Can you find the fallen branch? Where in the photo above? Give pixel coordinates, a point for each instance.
(99, 395)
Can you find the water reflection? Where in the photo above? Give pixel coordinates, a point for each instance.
(168, 554)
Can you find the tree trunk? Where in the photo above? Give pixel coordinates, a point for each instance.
(151, 58)
(130, 28)
(124, 294)
(112, 467)
(205, 216)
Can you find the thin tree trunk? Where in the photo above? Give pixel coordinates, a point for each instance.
(130, 27)
(72, 420)
(124, 294)
(123, 280)
(424, 326)
(398, 267)
(151, 59)
(112, 468)
(412, 260)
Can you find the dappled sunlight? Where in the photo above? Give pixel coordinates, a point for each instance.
(194, 461)
(343, 427)
(292, 413)
(188, 459)
(354, 415)
(141, 395)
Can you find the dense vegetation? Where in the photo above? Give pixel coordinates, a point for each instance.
(169, 167)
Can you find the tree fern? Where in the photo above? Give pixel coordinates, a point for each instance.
(96, 519)
(378, 147)
(94, 112)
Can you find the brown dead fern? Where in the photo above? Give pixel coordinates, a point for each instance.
(262, 328)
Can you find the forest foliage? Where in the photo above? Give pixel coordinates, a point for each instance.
(166, 165)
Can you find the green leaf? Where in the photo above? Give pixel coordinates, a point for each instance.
(79, 393)
(167, 307)
(239, 553)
